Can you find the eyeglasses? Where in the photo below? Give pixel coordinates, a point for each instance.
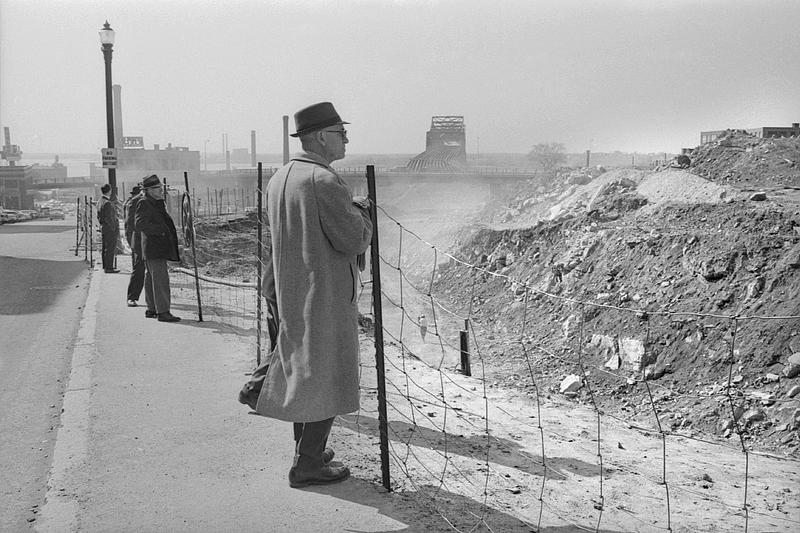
(342, 132)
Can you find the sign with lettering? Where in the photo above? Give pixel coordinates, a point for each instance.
(133, 142)
(109, 157)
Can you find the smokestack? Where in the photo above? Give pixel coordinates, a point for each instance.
(117, 103)
(285, 139)
(253, 148)
(588, 152)
(227, 152)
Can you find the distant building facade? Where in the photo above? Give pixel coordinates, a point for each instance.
(14, 184)
(170, 162)
(763, 132)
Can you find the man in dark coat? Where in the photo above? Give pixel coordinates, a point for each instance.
(109, 229)
(159, 242)
(136, 281)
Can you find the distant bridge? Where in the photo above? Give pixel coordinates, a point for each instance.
(70, 182)
(354, 176)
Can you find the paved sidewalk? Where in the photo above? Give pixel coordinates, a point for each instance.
(153, 438)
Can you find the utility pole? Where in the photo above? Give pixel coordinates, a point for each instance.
(252, 148)
(107, 42)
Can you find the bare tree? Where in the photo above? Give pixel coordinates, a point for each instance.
(548, 155)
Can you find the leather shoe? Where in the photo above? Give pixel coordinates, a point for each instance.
(167, 317)
(150, 314)
(132, 303)
(111, 271)
(323, 475)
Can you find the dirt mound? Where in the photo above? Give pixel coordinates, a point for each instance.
(227, 248)
(665, 275)
(749, 161)
(682, 187)
(637, 275)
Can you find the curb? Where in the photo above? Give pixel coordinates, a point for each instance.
(60, 510)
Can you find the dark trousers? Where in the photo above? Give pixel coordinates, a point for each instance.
(310, 440)
(109, 246)
(136, 281)
(156, 285)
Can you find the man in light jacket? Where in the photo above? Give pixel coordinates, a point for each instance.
(317, 232)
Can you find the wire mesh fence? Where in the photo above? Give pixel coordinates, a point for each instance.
(501, 449)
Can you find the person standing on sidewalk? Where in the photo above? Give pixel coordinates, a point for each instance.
(109, 229)
(136, 281)
(317, 232)
(159, 242)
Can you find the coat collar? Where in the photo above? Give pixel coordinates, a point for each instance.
(311, 157)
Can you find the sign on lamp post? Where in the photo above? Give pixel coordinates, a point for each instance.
(109, 157)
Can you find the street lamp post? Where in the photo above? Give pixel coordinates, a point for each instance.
(107, 42)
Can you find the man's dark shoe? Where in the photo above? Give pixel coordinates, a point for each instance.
(168, 317)
(132, 303)
(323, 475)
(111, 270)
(150, 314)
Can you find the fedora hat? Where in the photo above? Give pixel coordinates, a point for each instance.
(316, 117)
(151, 181)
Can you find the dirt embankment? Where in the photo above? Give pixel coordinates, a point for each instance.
(228, 248)
(664, 276)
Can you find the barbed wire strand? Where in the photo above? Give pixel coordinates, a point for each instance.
(236, 298)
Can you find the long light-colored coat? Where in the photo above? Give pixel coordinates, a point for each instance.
(317, 233)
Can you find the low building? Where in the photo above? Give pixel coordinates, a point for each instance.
(170, 162)
(14, 187)
(763, 132)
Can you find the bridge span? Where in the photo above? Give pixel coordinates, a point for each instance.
(354, 176)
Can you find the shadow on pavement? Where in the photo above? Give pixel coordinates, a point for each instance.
(432, 509)
(188, 315)
(502, 451)
(29, 286)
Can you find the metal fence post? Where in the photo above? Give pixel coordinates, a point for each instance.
(85, 222)
(189, 221)
(466, 368)
(90, 218)
(77, 225)
(383, 423)
(260, 252)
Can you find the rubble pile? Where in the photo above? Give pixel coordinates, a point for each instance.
(227, 248)
(749, 161)
(656, 277)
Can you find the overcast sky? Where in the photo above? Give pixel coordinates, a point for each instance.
(628, 75)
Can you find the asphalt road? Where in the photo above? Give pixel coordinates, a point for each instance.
(43, 287)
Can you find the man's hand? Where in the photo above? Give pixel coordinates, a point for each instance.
(361, 202)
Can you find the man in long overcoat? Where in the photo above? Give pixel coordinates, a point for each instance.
(159, 245)
(136, 281)
(317, 232)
